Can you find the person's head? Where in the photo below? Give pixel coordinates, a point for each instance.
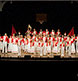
(62, 36)
(52, 30)
(34, 29)
(10, 36)
(5, 34)
(40, 30)
(58, 30)
(48, 35)
(74, 35)
(24, 36)
(65, 33)
(46, 30)
(19, 33)
(21, 36)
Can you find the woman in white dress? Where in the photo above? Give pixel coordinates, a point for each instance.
(29, 40)
(55, 49)
(48, 46)
(73, 45)
(26, 46)
(1, 44)
(76, 44)
(32, 48)
(62, 46)
(69, 43)
(10, 45)
(15, 46)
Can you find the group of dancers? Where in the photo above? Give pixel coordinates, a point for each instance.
(42, 42)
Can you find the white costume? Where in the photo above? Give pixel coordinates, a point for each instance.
(62, 49)
(72, 46)
(77, 44)
(4, 44)
(1, 44)
(55, 49)
(15, 46)
(48, 47)
(10, 45)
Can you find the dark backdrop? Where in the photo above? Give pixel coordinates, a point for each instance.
(61, 15)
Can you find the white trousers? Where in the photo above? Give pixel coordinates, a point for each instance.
(62, 51)
(4, 48)
(44, 50)
(69, 51)
(41, 51)
(19, 50)
(77, 47)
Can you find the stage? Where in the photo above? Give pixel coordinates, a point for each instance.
(32, 57)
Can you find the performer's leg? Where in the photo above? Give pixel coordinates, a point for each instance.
(69, 50)
(5, 47)
(19, 51)
(41, 51)
(76, 47)
(62, 51)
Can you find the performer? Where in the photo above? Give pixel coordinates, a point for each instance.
(26, 45)
(52, 32)
(28, 32)
(69, 46)
(22, 42)
(77, 44)
(62, 48)
(19, 34)
(55, 50)
(19, 48)
(32, 48)
(1, 44)
(58, 32)
(40, 33)
(29, 40)
(73, 45)
(44, 49)
(34, 32)
(10, 45)
(44, 37)
(15, 47)
(48, 47)
(41, 47)
(47, 32)
(5, 39)
(66, 40)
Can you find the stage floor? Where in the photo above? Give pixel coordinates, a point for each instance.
(37, 57)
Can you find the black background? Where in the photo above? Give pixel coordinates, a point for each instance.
(61, 15)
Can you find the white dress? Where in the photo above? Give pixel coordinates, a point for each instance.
(72, 47)
(1, 44)
(15, 47)
(77, 46)
(55, 49)
(48, 48)
(32, 50)
(10, 46)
